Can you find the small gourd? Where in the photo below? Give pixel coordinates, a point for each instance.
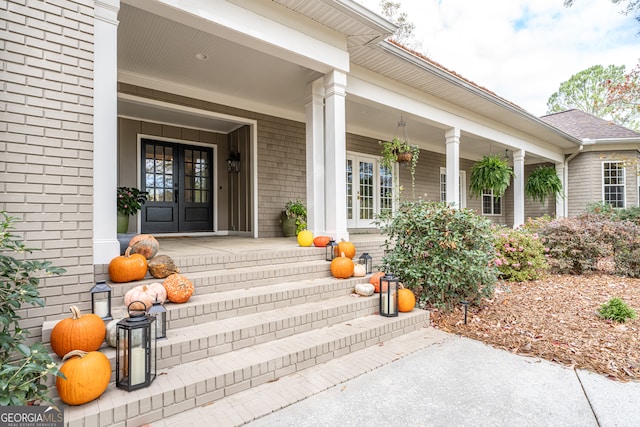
(145, 245)
(364, 289)
(375, 280)
(127, 267)
(342, 267)
(145, 294)
(348, 248)
(406, 300)
(321, 241)
(359, 270)
(179, 288)
(78, 332)
(87, 377)
(111, 332)
(305, 238)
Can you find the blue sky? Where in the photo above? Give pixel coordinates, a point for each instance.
(522, 49)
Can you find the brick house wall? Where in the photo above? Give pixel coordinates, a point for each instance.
(47, 144)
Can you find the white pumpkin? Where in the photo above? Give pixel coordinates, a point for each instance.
(146, 294)
(112, 329)
(364, 289)
(359, 270)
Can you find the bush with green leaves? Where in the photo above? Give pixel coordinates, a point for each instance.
(520, 254)
(444, 254)
(626, 255)
(24, 368)
(617, 310)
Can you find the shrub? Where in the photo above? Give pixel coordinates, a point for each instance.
(626, 254)
(24, 368)
(520, 254)
(617, 310)
(444, 254)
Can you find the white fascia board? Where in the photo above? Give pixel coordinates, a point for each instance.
(395, 96)
(245, 27)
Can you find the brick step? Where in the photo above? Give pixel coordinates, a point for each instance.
(203, 308)
(257, 402)
(201, 382)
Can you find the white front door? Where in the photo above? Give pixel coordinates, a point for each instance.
(369, 190)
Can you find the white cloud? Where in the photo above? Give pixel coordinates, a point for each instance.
(522, 49)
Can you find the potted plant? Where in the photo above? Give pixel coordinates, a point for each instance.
(294, 218)
(490, 173)
(130, 201)
(23, 377)
(400, 151)
(543, 182)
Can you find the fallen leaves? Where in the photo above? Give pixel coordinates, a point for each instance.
(556, 319)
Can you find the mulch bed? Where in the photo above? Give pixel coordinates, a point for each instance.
(556, 319)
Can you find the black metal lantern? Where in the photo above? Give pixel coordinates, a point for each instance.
(135, 350)
(331, 250)
(389, 296)
(101, 300)
(158, 311)
(366, 260)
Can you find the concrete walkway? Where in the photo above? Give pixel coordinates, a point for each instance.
(461, 382)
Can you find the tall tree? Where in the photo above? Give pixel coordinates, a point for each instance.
(589, 91)
(624, 96)
(405, 34)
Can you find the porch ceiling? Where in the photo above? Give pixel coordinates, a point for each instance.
(153, 48)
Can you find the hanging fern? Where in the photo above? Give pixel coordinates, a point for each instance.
(543, 183)
(490, 173)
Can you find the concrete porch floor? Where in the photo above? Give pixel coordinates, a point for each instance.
(195, 245)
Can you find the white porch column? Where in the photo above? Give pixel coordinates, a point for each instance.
(518, 188)
(335, 155)
(561, 198)
(105, 123)
(452, 141)
(314, 109)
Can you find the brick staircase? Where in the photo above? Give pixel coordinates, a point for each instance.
(257, 316)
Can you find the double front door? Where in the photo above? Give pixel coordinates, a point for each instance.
(369, 190)
(179, 179)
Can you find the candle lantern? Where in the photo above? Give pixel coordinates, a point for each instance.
(101, 300)
(135, 350)
(158, 311)
(366, 260)
(389, 296)
(331, 248)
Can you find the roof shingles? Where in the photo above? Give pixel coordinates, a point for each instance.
(583, 125)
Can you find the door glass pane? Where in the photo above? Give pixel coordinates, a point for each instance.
(159, 173)
(349, 189)
(196, 176)
(386, 190)
(366, 190)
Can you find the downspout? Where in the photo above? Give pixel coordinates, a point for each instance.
(565, 178)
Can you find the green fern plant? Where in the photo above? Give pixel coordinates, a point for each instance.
(617, 310)
(543, 183)
(490, 173)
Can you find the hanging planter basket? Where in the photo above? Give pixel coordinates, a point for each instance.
(399, 150)
(543, 183)
(490, 173)
(404, 157)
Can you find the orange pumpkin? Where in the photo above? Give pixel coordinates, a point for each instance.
(145, 245)
(321, 241)
(87, 377)
(179, 288)
(78, 332)
(375, 280)
(342, 267)
(146, 294)
(348, 248)
(127, 267)
(406, 300)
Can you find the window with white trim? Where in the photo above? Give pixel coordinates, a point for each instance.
(613, 186)
(462, 188)
(491, 204)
